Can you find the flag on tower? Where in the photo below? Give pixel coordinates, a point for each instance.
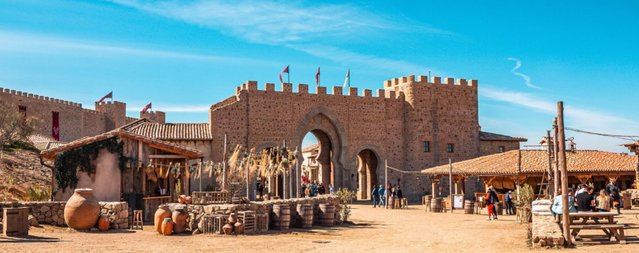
(110, 95)
(146, 108)
(347, 80)
(285, 70)
(317, 76)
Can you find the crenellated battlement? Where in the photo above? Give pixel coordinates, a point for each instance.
(435, 80)
(38, 97)
(252, 86)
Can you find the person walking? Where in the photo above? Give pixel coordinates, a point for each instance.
(382, 196)
(400, 197)
(508, 200)
(492, 200)
(603, 201)
(391, 197)
(331, 189)
(375, 196)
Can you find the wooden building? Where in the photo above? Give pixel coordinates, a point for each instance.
(506, 170)
(126, 166)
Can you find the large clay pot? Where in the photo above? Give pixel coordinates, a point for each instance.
(179, 218)
(103, 223)
(228, 229)
(162, 213)
(239, 228)
(81, 210)
(167, 226)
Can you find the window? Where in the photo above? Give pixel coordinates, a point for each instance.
(450, 148)
(22, 110)
(426, 146)
(502, 149)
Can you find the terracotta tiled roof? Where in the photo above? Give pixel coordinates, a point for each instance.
(120, 132)
(536, 162)
(486, 136)
(311, 147)
(171, 131)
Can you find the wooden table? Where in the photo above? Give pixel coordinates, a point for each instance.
(604, 221)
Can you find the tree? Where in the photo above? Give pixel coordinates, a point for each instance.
(14, 127)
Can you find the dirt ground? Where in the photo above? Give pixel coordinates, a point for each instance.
(375, 230)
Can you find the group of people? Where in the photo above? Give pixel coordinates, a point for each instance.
(390, 197)
(314, 189)
(585, 200)
(492, 201)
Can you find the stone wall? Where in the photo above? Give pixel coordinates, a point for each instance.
(546, 232)
(74, 121)
(118, 213)
(52, 212)
(394, 124)
(45, 212)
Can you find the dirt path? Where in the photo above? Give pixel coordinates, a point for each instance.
(375, 230)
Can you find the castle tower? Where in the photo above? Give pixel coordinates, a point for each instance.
(154, 116)
(115, 111)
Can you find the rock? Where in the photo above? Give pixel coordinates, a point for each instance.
(44, 208)
(33, 221)
(123, 214)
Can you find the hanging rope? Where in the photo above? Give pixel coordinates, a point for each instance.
(619, 136)
(404, 171)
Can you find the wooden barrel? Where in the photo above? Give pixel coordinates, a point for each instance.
(426, 203)
(305, 211)
(436, 205)
(327, 214)
(281, 216)
(469, 207)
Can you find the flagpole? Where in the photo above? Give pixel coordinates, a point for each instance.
(288, 74)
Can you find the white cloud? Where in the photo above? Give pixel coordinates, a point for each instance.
(292, 24)
(527, 79)
(26, 42)
(576, 117)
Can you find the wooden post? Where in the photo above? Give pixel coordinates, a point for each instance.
(551, 175)
(224, 166)
(450, 184)
(556, 160)
(564, 173)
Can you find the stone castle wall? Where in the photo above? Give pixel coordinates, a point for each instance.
(75, 121)
(394, 123)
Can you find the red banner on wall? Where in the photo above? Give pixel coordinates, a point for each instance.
(55, 126)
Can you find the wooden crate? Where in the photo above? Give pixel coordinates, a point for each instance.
(15, 221)
(211, 197)
(248, 218)
(219, 220)
(262, 220)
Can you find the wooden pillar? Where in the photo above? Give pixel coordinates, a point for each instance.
(434, 189)
(564, 173)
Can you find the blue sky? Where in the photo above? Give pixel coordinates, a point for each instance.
(186, 55)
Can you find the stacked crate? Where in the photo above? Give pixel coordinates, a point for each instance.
(262, 222)
(248, 218)
(219, 220)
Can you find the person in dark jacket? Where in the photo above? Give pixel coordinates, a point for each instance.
(616, 200)
(400, 196)
(585, 200)
(375, 196)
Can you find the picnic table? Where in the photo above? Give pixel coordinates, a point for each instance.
(604, 221)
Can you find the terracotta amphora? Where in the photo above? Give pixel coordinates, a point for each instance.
(167, 226)
(179, 218)
(162, 213)
(103, 223)
(81, 210)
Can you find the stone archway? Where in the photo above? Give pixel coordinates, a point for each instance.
(367, 164)
(324, 125)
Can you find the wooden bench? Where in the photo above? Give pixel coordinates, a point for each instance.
(611, 230)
